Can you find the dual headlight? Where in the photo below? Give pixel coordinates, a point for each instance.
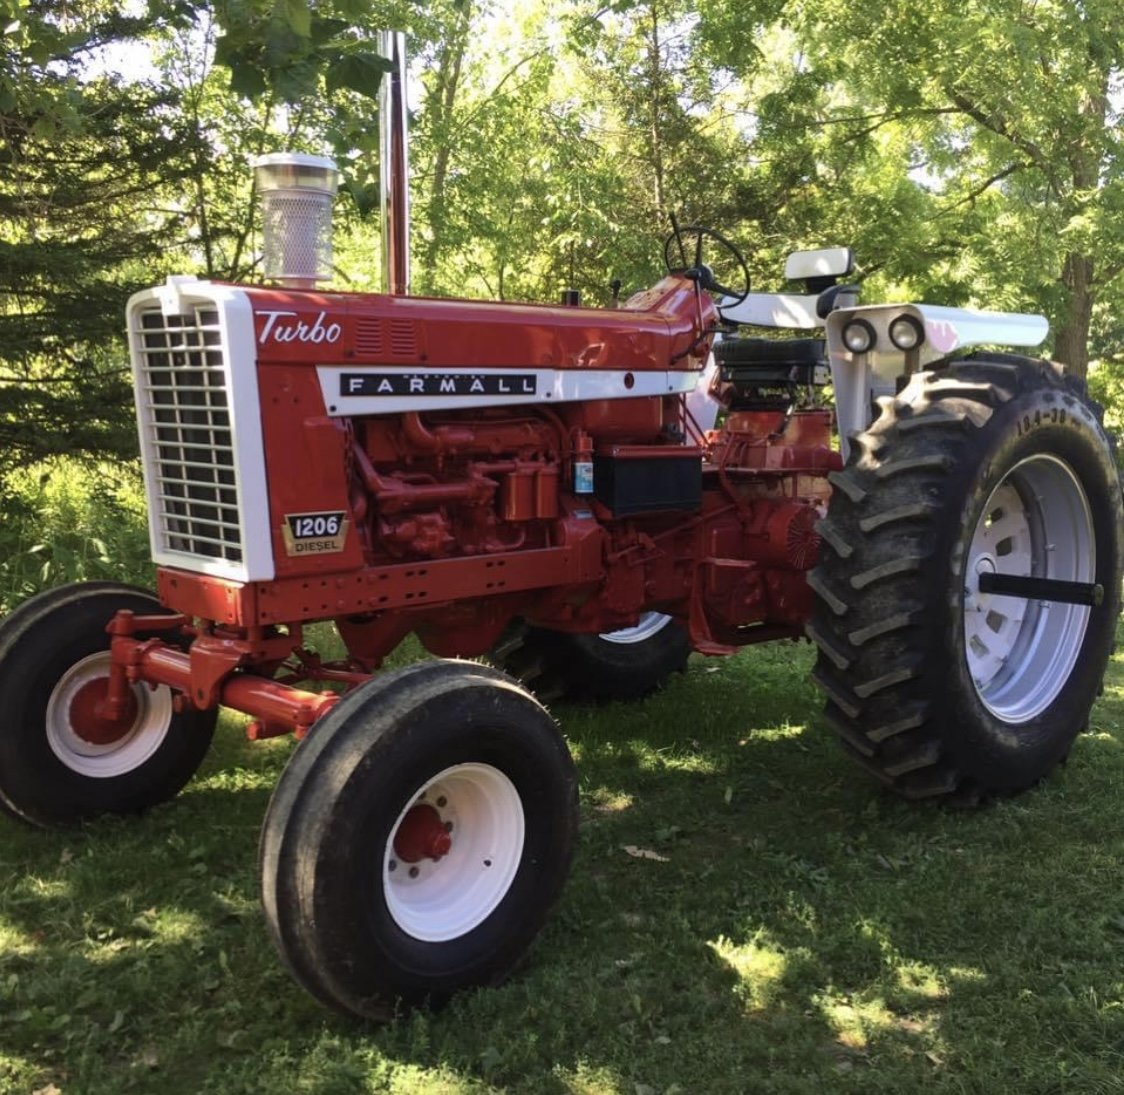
(905, 332)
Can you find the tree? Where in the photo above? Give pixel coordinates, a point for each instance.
(84, 163)
(1009, 105)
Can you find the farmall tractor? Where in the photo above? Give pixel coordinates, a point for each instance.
(585, 495)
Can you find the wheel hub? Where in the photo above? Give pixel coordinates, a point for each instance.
(422, 835)
(88, 721)
(1036, 527)
(453, 852)
(89, 743)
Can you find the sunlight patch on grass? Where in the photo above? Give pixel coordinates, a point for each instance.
(417, 1080)
(587, 1079)
(759, 965)
(853, 1021)
(676, 760)
(966, 974)
(235, 779)
(151, 927)
(19, 1073)
(1102, 737)
(921, 980)
(51, 889)
(785, 732)
(609, 800)
(16, 941)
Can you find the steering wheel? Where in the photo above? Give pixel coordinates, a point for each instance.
(699, 271)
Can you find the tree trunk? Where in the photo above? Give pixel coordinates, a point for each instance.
(1071, 342)
(1086, 159)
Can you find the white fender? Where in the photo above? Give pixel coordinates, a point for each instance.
(859, 379)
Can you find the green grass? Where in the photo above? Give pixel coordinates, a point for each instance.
(803, 932)
(806, 932)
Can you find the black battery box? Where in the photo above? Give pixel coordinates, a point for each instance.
(631, 479)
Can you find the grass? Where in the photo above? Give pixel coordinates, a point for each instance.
(801, 932)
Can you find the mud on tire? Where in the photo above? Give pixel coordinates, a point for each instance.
(994, 464)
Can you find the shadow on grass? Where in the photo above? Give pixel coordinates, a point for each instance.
(800, 932)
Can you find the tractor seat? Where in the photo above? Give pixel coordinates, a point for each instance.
(754, 362)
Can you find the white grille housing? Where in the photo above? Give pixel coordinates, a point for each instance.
(199, 419)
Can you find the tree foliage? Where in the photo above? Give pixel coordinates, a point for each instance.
(970, 152)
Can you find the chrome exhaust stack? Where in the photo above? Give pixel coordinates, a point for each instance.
(394, 166)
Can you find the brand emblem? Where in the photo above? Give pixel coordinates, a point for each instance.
(314, 533)
(438, 384)
(283, 326)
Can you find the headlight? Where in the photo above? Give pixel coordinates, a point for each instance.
(858, 336)
(906, 333)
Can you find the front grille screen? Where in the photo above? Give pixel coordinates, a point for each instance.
(185, 412)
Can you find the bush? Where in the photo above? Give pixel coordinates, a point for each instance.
(65, 520)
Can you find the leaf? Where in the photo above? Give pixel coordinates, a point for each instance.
(323, 29)
(643, 853)
(298, 17)
(366, 198)
(117, 1022)
(360, 72)
(247, 80)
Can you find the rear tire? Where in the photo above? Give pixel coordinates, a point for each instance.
(618, 665)
(59, 762)
(418, 838)
(998, 464)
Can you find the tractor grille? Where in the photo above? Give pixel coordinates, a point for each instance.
(184, 409)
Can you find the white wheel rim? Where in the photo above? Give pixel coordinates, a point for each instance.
(649, 624)
(443, 899)
(1021, 652)
(126, 752)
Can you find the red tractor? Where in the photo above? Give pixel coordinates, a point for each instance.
(557, 488)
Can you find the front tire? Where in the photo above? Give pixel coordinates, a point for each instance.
(60, 762)
(996, 465)
(418, 838)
